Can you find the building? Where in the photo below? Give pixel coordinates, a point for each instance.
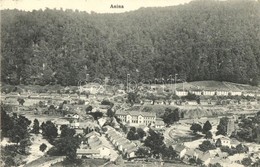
(136, 118)
(124, 145)
(208, 93)
(180, 150)
(222, 93)
(93, 148)
(181, 93)
(225, 141)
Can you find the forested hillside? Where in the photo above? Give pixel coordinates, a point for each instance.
(202, 40)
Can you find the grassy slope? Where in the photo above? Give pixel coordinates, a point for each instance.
(207, 85)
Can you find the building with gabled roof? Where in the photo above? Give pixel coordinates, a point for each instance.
(136, 118)
(120, 142)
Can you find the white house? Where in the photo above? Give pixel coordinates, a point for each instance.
(208, 93)
(181, 93)
(225, 141)
(180, 149)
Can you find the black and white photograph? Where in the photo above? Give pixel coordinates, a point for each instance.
(130, 83)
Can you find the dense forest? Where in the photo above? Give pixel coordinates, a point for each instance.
(202, 40)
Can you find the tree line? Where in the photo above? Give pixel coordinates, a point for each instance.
(202, 40)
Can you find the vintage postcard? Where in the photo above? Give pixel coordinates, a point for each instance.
(130, 83)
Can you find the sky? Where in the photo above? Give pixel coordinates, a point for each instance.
(98, 6)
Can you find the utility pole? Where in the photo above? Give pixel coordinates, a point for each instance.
(127, 82)
(175, 78)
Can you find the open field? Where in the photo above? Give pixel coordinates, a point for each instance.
(203, 85)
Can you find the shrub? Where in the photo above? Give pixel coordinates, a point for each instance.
(43, 147)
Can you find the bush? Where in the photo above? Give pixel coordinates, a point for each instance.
(81, 102)
(43, 147)
(206, 145)
(106, 102)
(246, 161)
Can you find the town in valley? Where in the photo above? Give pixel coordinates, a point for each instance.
(172, 86)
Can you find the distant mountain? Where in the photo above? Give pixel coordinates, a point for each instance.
(202, 40)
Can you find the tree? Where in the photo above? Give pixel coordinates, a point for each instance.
(43, 147)
(21, 101)
(170, 116)
(215, 165)
(206, 127)
(132, 97)
(155, 142)
(141, 133)
(196, 128)
(222, 127)
(206, 145)
(135, 134)
(36, 126)
(7, 122)
(110, 113)
(68, 146)
(96, 115)
(152, 97)
(242, 148)
(218, 143)
(246, 161)
(221, 59)
(19, 129)
(66, 131)
(143, 152)
(49, 131)
(89, 109)
(131, 135)
(192, 161)
(208, 135)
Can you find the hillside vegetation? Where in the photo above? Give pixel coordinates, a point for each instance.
(202, 40)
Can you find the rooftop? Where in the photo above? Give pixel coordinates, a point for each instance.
(136, 113)
(87, 151)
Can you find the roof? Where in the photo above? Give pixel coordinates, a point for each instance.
(131, 150)
(87, 151)
(159, 122)
(136, 113)
(204, 156)
(93, 133)
(199, 152)
(221, 137)
(190, 152)
(179, 148)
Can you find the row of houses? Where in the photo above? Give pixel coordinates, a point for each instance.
(125, 146)
(216, 93)
(208, 157)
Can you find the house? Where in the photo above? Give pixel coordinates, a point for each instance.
(181, 93)
(136, 118)
(225, 141)
(159, 124)
(208, 93)
(90, 153)
(236, 93)
(93, 133)
(204, 157)
(101, 121)
(222, 93)
(121, 143)
(190, 153)
(197, 92)
(180, 149)
(250, 94)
